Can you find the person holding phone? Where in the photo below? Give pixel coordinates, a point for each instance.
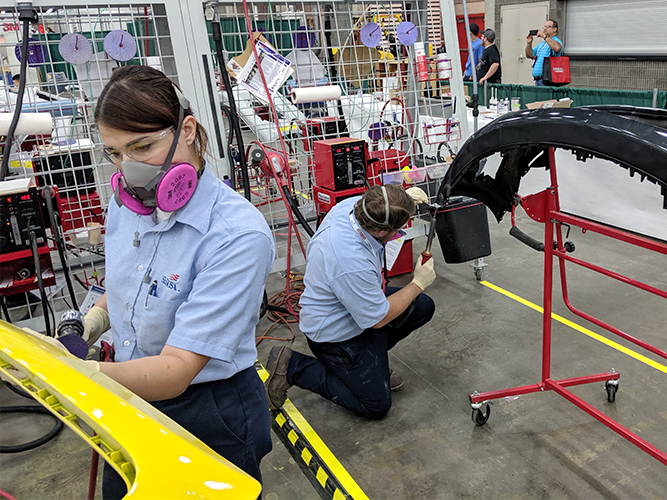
(349, 320)
(552, 46)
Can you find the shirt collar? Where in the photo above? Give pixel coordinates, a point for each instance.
(375, 244)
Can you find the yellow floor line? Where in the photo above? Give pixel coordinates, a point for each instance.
(322, 449)
(579, 328)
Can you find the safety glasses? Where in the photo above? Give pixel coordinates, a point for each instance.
(139, 150)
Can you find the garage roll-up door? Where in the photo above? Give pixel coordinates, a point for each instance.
(616, 28)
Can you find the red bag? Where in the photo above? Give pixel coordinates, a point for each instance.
(556, 71)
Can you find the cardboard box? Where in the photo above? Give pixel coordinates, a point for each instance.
(357, 63)
(552, 103)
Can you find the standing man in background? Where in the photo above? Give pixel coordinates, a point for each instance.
(476, 52)
(489, 64)
(550, 47)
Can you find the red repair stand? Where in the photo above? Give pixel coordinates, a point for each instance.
(545, 207)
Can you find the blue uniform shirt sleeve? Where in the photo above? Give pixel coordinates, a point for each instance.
(361, 295)
(215, 317)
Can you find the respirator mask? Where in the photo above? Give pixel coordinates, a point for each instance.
(142, 187)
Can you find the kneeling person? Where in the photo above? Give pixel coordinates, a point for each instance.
(349, 321)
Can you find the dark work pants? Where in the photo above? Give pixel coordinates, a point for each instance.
(355, 373)
(230, 416)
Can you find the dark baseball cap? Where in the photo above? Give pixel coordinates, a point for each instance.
(490, 35)
(474, 29)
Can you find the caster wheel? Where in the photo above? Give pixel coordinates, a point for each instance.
(480, 418)
(611, 391)
(479, 274)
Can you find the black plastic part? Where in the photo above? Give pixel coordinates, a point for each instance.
(479, 417)
(634, 138)
(463, 230)
(37, 442)
(569, 246)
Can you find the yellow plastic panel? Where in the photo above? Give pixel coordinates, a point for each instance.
(155, 456)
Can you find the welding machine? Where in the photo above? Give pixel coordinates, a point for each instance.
(21, 215)
(325, 199)
(340, 163)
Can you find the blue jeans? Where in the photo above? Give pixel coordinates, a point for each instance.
(539, 83)
(354, 373)
(230, 416)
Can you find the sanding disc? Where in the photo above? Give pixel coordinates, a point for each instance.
(36, 52)
(370, 35)
(75, 48)
(120, 45)
(406, 32)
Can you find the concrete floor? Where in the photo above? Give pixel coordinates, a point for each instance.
(427, 447)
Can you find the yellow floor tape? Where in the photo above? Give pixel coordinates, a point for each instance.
(316, 443)
(579, 328)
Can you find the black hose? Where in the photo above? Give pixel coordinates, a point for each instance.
(295, 210)
(40, 282)
(217, 37)
(18, 391)
(9, 138)
(37, 442)
(230, 148)
(59, 243)
(211, 97)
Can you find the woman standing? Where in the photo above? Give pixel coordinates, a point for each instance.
(186, 262)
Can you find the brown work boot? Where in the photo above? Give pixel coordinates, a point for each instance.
(276, 385)
(395, 381)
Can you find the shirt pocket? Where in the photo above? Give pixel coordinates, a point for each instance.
(155, 323)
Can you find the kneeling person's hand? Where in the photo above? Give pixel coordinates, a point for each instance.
(424, 274)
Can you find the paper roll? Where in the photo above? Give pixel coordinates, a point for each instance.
(316, 94)
(29, 123)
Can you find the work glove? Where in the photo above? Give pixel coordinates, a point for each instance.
(417, 194)
(424, 273)
(95, 323)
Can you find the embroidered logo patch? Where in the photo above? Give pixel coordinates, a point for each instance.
(171, 282)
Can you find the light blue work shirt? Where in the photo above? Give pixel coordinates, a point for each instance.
(343, 279)
(477, 50)
(540, 52)
(208, 264)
